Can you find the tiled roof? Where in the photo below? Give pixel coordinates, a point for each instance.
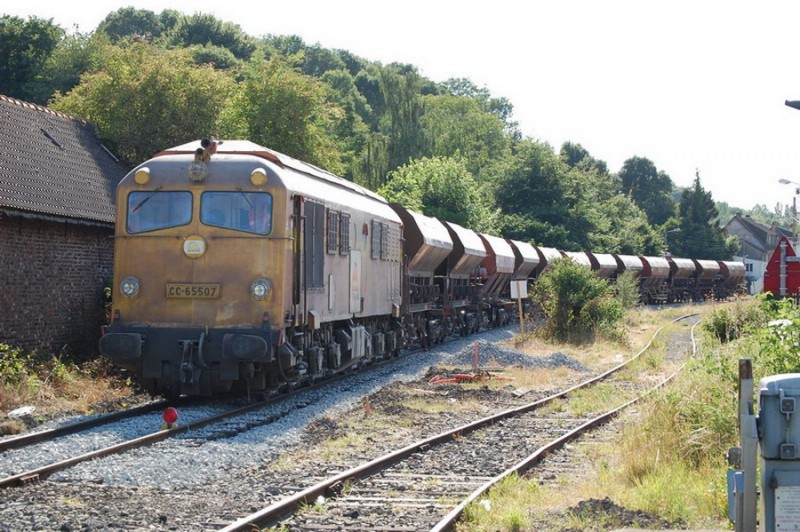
(758, 229)
(52, 163)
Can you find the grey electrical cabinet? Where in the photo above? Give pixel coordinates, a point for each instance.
(779, 442)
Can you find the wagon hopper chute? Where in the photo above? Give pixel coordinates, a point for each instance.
(706, 274)
(653, 279)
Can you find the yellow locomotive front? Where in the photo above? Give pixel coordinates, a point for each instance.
(203, 258)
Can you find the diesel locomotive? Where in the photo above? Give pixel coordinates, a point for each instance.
(240, 268)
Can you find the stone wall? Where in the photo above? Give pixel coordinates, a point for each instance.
(52, 275)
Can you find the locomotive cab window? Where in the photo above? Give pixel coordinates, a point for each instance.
(250, 212)
(153, 209)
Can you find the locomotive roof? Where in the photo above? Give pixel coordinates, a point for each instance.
(246, 147)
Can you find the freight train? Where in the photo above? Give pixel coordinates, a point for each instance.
(239, 268)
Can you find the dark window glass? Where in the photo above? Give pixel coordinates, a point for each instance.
(152, 210)
(250, 212)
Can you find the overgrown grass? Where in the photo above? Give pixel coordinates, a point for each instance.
(54, 384)
(506, 509)
(669, 459)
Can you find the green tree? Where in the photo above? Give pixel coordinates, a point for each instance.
(441, 187)
(401, 87)
(500, 107)
(542, 199)
(24, 48)
(136, 24)
(217, 56)
(649, 188)
(368, 84)
(457, 126)
(577, 304)
(318, 60)
(619, 226)
(206, 29)
(145, 99)
(75, 54)
(700, 236)
(285, 110)
(351, 132)
(371, 167)
(577, 156)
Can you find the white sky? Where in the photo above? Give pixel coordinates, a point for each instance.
(689, 84)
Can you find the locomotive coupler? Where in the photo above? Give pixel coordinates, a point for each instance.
(191, 365)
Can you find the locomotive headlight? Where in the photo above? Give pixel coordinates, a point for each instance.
(142, 176)
(258, 177)
(129, 286)
(261, 289)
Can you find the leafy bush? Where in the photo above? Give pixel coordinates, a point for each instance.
(15, 366)
(577, 304)
(627, 289)
(779, 338)
(728, 324)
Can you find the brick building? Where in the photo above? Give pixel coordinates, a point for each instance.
(57, 185)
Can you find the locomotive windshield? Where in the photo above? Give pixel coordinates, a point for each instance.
(241, 211)
(154, 209)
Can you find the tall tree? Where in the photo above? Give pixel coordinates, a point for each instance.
(619, 226)
(699, 235)
(145, 99)
(401, 88)
(457, 126)
(351, 132)
(441, 187)
(206, 29)
(543, 200)
(284, 110)
(577, 156)
(136, 24)
(24, 48)
(75, 54)
(649, 188)
(500, 107)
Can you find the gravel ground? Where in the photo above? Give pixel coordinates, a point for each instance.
(157, 487)
(205, 479)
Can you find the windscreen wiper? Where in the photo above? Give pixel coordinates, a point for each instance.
(145, 200)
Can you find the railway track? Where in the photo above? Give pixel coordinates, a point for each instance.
(60, 459)
(428, 484)
(31, 438)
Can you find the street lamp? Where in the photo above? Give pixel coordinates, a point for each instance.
(666, 244)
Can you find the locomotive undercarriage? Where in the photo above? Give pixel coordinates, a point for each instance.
(191, 361)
